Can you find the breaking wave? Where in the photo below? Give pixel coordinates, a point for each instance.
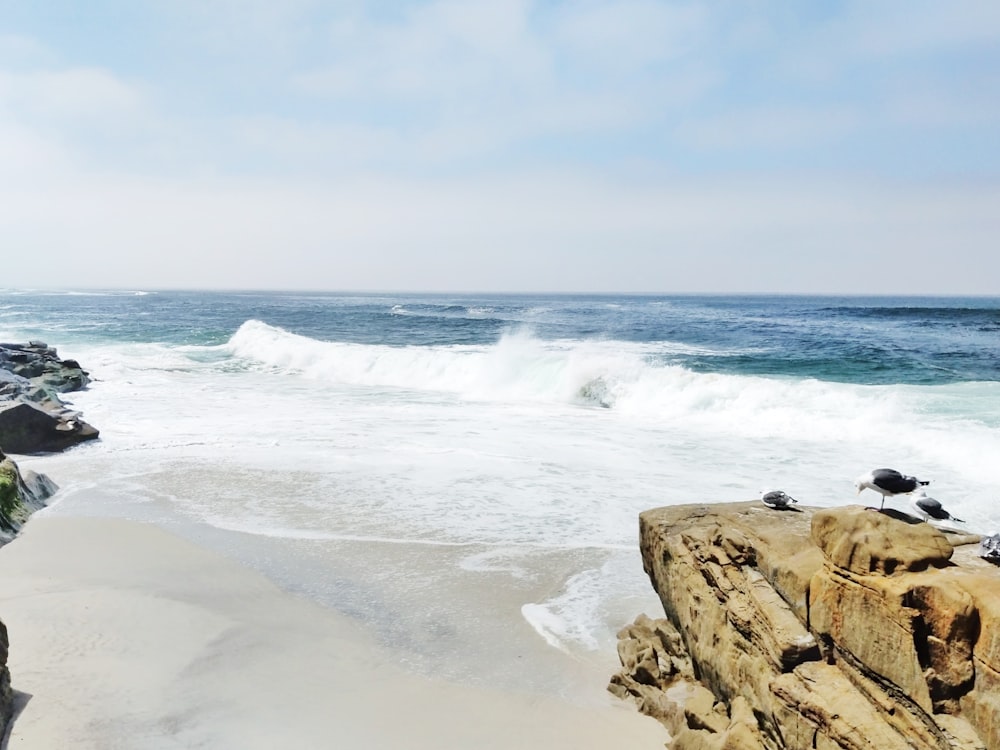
(635, 380)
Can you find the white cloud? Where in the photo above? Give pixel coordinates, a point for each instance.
(411, 150)
(552, 231)
(629, 34)
(942, 103)
(911, 27)
(254, 30)
(440, 51)
(868, 34)
(17, 50)
(457, 78)
(69, 93)
(467, 135)
(771, 128)
(331, 146)
(29, 157)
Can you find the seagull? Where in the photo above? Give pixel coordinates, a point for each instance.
(888, 483)
(931, 510)
(777, 499)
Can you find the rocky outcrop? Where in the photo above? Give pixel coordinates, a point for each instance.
(33, 418)
(21, 494)
(836, 628)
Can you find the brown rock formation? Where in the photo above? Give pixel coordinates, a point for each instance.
(843, 628)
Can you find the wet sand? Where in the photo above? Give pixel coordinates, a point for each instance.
(126, 636)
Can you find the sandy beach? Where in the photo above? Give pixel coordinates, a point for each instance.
(126, 636)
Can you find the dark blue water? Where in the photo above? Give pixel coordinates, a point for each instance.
(865, 340)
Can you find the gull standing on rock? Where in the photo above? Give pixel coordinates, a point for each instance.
(888, 483)
(929, 507)
(930, 510)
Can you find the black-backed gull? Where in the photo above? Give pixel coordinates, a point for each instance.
(777, 499)
(930, 510)
(888, 483)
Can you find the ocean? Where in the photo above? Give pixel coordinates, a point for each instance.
(463, 473)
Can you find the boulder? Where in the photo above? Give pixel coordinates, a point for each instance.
(38, 362)
(33, 417)
(27, 428)
(864, 541)
(21, 494)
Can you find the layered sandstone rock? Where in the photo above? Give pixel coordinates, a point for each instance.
(840, 628)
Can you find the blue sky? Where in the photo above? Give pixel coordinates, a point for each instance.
(501, 146)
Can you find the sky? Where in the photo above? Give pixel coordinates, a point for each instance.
(501, 145)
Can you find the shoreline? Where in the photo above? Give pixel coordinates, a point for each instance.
(448, 611)
(124, 634)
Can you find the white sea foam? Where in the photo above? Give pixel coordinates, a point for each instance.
(504, 443)
(518, 366)
(569, 618)
(503, 446)
(76, 293)
(632, 379)
(585, 614)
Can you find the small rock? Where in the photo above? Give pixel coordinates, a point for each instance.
(989, 548)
